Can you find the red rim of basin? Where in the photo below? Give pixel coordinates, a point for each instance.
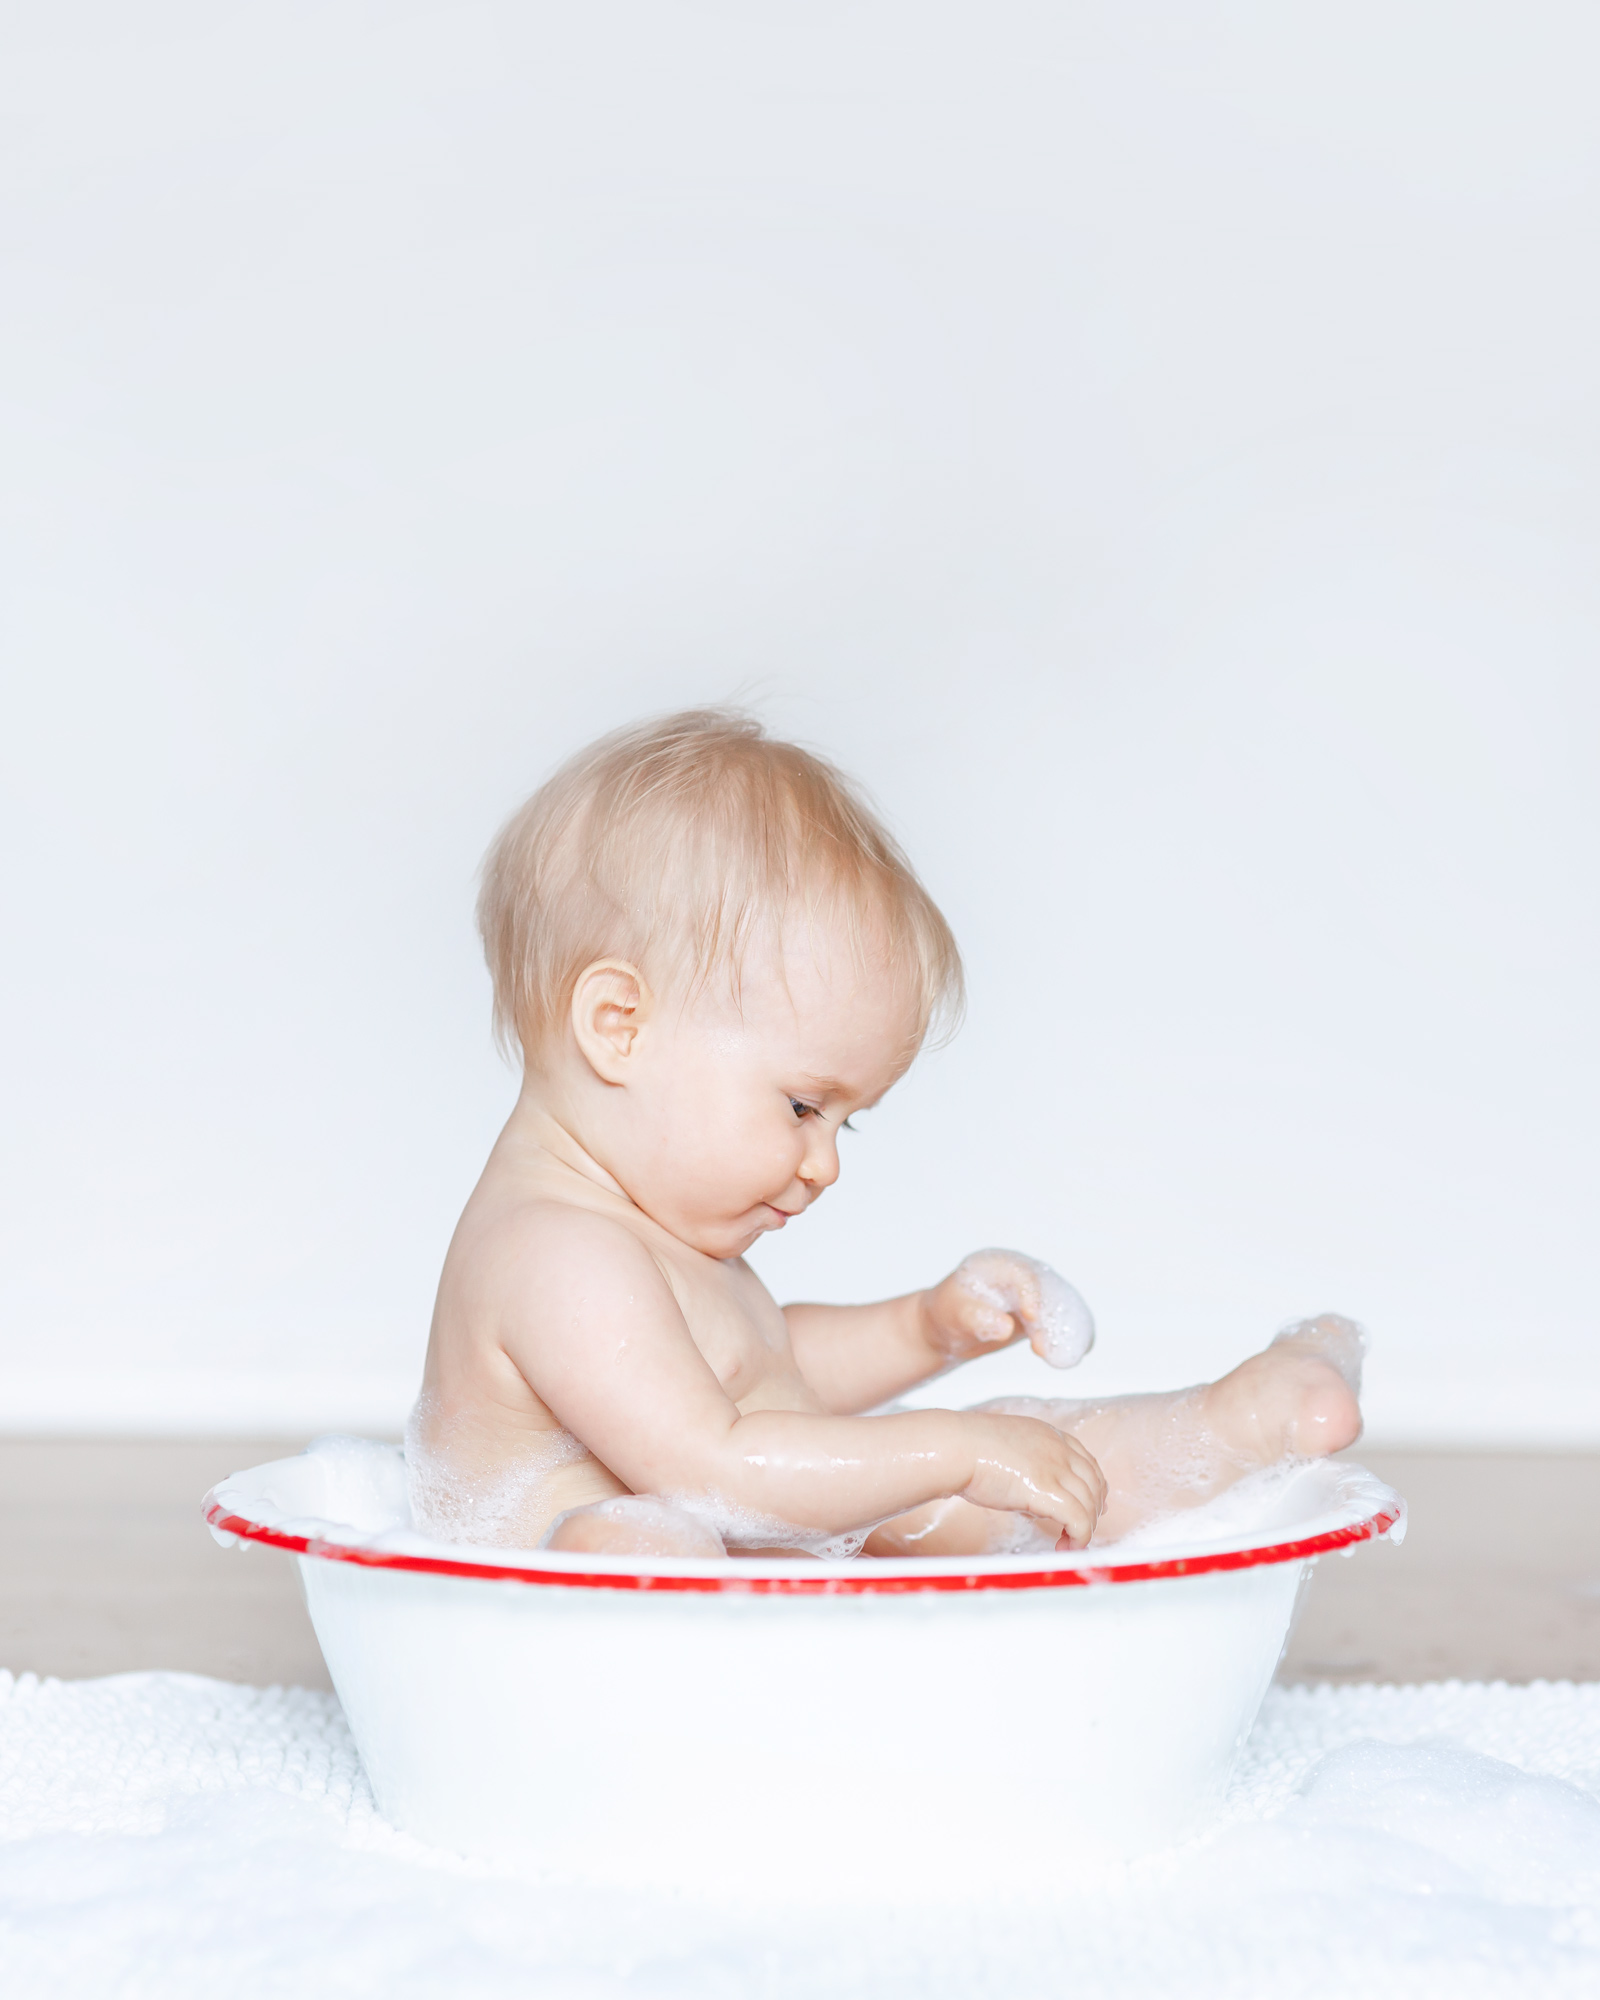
(854, 1581)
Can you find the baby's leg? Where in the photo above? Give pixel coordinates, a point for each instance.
(954, 1527)
(633, 1524)
(1296, 1399)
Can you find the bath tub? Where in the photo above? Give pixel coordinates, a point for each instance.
(1002, 1722)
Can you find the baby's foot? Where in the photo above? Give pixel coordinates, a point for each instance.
(1296, 1399)
(633, 1524)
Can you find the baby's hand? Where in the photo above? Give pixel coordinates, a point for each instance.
(993, 1296)
(1028, 1467)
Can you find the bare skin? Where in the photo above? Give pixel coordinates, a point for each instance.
(598, 1333)
(1161, 1453)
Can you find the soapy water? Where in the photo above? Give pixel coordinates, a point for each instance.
(1056, 1318)
(370, 1498)
(1260, 1500)
(164, 1837)
(367, 1503)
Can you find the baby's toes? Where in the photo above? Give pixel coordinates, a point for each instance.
(1337, 1340)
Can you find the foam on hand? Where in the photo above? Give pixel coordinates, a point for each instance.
(1053, 1313)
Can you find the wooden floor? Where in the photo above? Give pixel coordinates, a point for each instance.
(105, 1566)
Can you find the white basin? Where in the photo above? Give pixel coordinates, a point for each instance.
(802, 1727)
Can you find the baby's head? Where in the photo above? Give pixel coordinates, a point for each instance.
(710, 951)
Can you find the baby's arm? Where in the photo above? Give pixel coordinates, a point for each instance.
(856, 1357)
(594, 1328)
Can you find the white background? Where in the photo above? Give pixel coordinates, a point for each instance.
(1154, 447)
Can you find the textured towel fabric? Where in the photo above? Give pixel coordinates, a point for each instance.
(169, 1836)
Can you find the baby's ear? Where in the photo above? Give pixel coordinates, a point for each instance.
(610, 1004)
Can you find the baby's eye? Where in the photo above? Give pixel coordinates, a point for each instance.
(800, 1110)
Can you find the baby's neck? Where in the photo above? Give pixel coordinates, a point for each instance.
(537, 1141)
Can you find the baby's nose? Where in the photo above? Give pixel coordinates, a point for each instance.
(820, 1168)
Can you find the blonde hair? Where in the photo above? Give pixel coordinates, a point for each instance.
(673, 842)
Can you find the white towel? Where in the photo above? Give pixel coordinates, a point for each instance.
(188, 1839)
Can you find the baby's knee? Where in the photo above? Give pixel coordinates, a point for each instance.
(633, 1524)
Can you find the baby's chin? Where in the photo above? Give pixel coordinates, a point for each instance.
(721, 1237)
(733, 1237)
(738, 1238)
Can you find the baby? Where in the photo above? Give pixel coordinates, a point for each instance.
(711, 953)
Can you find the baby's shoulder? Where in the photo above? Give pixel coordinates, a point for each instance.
(550, 1249)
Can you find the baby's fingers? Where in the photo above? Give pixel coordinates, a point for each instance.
(1078, 1497)
(1087, 1467)
(1077, 1514)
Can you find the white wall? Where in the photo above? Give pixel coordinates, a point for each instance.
(1156, 448)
